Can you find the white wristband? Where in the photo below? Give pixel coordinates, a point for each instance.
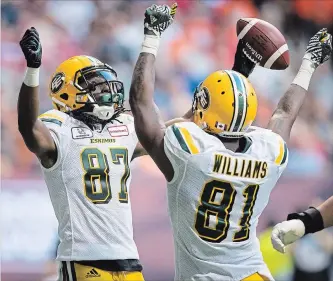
(31, 78)
(304, 74)
(150, 44)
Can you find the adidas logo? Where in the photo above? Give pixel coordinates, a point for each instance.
(92, 273)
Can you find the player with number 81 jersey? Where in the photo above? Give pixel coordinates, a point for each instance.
(217, 195)
(216, 198)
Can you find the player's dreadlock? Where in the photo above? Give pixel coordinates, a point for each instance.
(91, 120)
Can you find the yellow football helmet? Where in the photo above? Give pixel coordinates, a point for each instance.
(85, 84)
(225, 104)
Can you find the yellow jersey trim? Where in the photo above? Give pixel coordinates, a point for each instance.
(51, 116)
(283, 152)
(189, 140)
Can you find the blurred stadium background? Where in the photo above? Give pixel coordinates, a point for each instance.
(202, 39)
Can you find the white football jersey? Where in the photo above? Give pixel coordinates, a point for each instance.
(89, 187)
(215, 200)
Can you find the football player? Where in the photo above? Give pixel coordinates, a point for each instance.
(84, 146)
(299, 224)
(220, 170)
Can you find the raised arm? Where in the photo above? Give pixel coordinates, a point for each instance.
(318, 51)
(35, 134)
(241, 64)
(148, 123)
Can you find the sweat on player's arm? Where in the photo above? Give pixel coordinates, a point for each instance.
(299, 224)
(318, 51)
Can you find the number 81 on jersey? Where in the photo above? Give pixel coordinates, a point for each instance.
(220, 210)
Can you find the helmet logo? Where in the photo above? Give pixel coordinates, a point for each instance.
(203, 98)
(57, 82)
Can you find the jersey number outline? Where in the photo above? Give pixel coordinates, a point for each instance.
(95, 164)
(221, 209)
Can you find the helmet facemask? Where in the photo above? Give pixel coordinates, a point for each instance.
(100, 91)
(195, 109)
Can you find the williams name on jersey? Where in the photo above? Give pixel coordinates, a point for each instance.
(237, 167)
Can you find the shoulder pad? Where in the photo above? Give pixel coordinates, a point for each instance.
(184, 136)
(53, 116)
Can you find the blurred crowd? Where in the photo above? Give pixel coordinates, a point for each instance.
(203, 39)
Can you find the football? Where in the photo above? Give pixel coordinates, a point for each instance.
(264, 43)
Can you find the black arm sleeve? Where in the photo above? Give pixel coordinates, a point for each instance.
(311, 218)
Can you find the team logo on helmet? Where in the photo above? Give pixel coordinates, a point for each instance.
(203, 98)
(57, 82)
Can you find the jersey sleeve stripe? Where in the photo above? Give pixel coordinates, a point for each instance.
(189, 140)
(285, 153)
(180, 139)
(51, 120)
(185, 140)
(281, 158)
(52, 116)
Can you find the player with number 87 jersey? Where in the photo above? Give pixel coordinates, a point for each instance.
(84, 146)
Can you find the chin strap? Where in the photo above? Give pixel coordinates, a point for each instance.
(232, 135)
(224, 134)
(103, 112)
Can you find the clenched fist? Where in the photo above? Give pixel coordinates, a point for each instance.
(285, 233)
(158, 18)
(32, 48)
(319, 48)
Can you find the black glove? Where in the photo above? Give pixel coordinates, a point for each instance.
(158, 18)
(242, 64)
(32, 48)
